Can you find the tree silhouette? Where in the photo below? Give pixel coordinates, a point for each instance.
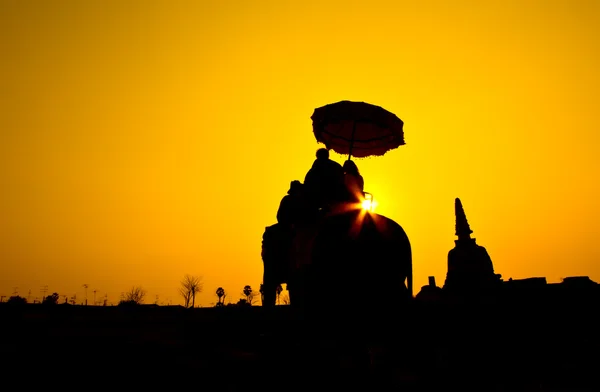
(221, 294)
(135, 296)
(51, 299)
(190, 286)
(249, 294)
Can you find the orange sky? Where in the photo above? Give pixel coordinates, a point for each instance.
(140, 141)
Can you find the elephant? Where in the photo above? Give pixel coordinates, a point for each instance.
(360, 258)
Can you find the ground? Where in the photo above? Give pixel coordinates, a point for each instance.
(422, 347)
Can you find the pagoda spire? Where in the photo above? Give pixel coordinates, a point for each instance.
(463, 231)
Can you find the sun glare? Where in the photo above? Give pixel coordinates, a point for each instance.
(366, 204)
(369, 205)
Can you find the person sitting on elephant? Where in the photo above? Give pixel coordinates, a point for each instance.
(324, 182)
(354, 182)
(293, 208)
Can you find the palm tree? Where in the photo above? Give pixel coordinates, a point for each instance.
(221, 295)
(248, 293)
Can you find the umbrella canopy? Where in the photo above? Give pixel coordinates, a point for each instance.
(358, 129)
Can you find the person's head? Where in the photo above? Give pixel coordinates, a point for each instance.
(350, 167)
(295, 187)
(322, 153)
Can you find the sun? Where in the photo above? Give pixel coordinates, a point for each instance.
(369, 204)
(366, 204)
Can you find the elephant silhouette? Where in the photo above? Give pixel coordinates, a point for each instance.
(361, 258)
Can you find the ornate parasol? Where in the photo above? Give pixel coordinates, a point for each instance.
(358, 129)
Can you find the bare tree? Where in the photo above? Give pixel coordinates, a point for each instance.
(135, 295)
(190, 286)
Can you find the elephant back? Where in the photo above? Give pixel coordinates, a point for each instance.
(363, 260)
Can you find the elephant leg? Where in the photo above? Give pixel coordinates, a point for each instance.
(299, 283)
(269, 287)
(270, 296)
(292, 290)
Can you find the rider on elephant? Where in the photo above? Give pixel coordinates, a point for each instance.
(324, 182)
(287, 245)
(293, 208)
(354, 182)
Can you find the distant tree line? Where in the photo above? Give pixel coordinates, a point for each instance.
(190, 287)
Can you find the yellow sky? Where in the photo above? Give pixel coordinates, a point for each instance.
(143, 140)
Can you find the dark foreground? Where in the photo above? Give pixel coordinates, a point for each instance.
(523, 346)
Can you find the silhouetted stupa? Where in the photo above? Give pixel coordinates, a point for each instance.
(470, 268)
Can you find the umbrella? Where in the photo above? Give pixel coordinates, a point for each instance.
(358, 129)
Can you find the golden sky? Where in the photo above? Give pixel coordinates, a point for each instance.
(144, 140)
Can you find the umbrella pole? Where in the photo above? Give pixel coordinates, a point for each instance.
(352, 140)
